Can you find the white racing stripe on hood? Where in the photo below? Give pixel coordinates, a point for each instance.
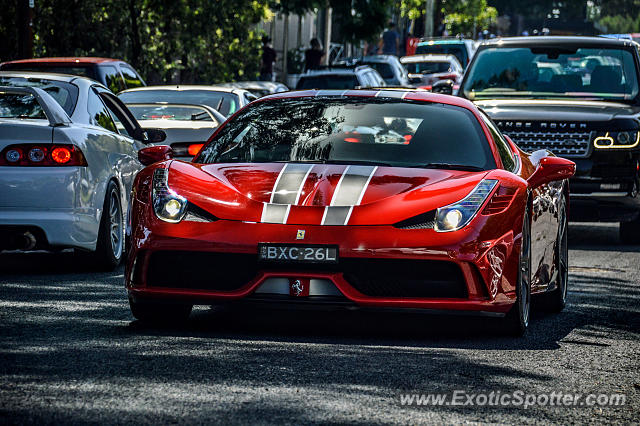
(348, 193)
(286, 192)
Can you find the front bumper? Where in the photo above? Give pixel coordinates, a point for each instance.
(217, 262)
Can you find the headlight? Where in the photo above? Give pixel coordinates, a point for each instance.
(458, 215)
(613, 140)
(167, 205)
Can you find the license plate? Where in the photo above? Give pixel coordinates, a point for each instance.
(297, 253)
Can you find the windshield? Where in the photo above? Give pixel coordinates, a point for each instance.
(377, 131)
(225, 103)
(170, 112)
(552, 72)
(66, 94)
(458, 50)
(427, 67)
(20, 106)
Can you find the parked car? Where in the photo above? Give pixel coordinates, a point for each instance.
(389, 68)
(462, 49)
(187, 127)
(425, 70)
(578, 97)
(340, 78)
(117, 75)
(66, 168)
(258, 88)
(225, 100)
(292, 202)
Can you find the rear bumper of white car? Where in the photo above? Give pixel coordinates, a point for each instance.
(48, 203)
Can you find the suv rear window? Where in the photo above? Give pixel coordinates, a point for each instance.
(330, 81)
(384, 69)
(459, 50)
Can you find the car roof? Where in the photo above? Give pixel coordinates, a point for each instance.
(336, 70)
(84, 60)
(378, 58)
(179, 87)
(556, 41)
(68, 78)
(401, 93)
(428, 58)
(444, 41)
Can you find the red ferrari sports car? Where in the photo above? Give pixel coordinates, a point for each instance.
(358, 198)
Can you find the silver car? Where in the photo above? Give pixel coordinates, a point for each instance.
(226, 100)
(66, 169)
(187, 127)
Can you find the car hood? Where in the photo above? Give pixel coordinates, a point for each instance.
(312, 194)
(555, 110)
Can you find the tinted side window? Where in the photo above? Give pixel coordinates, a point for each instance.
(131, 79)
(504, 149)
(99, 114)
(111, 78)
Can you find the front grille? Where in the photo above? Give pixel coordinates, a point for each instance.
(562, 144)
(406, 278)
(200, 270)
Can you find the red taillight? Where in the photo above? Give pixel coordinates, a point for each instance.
(500, 201)
(194, 148)
(61, 154)
(42, 155)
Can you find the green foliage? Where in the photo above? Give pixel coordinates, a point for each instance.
(621, 24)
(463, 16)
(184, 41)
(361, 19)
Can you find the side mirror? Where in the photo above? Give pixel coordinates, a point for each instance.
(153, 154)
(550, 169)
(149, 135)
(444, 87)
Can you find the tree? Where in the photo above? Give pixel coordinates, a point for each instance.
(168, 41)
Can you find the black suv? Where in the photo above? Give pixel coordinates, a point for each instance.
(579, 98)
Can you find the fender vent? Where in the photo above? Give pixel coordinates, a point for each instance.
(500, 201)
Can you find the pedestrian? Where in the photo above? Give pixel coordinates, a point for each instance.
(268, 58)
(314, 55)
(390, 41)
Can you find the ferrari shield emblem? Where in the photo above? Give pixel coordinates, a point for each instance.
(300, 235)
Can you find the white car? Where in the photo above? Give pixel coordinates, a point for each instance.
(188, 127)
(226, 100)
(426, 70)
(65, 169)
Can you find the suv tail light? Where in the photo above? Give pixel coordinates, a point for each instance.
(46, 155)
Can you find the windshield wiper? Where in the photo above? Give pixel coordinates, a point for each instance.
(450, 166)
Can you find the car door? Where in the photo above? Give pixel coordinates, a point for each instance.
(117, 149)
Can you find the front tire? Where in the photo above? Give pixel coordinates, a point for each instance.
(556, 300)
(630, 232)
(517, 320)
(110, 246)
(151, 312)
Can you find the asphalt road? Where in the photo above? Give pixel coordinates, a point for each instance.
(70, 352)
